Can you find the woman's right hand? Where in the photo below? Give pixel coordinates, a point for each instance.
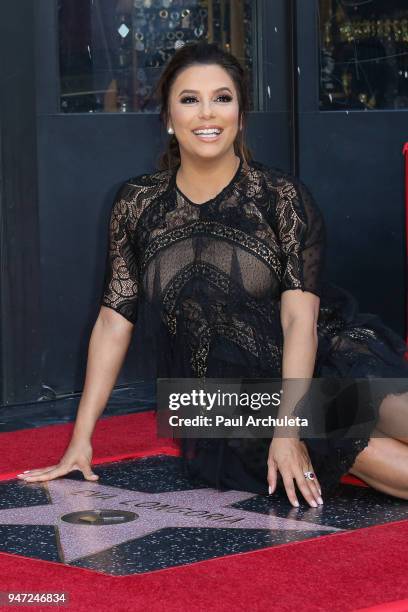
(78, 456)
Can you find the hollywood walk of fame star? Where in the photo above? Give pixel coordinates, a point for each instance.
(153, 511)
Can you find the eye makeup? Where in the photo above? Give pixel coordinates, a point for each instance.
(227, 98)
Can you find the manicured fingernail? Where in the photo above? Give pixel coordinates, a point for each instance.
(320, 491)
(25, 471)
(314, 504)
(270, 490)
(296, 503)
(320, 500)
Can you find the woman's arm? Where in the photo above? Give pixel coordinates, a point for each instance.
(112, 331)
(300, 229)
(107, 350)
(108, 345)
(299, 314)
(110, 337)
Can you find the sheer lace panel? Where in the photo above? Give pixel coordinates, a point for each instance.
(120, 290)
(302, 235)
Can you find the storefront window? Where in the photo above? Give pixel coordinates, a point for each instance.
(363, 54)
(112, 51)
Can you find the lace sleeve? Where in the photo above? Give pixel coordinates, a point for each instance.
(302, 234)
(120, 290)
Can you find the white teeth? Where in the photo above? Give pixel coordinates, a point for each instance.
(209, 132)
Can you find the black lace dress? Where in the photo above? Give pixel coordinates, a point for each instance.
(202, 284)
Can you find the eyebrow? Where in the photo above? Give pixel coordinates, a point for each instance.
(195, 91)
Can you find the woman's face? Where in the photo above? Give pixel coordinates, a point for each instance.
(204, 97)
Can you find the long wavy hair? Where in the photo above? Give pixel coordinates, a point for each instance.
(202, 53)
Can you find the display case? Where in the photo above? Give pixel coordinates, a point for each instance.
(112, 51)
(363, 54)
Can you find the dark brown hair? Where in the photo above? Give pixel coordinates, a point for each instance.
(202, 53)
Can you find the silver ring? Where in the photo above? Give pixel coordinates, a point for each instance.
(309, 475)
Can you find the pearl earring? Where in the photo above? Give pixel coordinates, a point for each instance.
(170, 130)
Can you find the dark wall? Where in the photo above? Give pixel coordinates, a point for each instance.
(20, 274)
(353, 163)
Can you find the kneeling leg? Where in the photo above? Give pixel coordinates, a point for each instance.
(393, 417)
(383, 464)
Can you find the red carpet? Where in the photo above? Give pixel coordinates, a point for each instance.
(115, 438)
(392, 606)
(339, 572)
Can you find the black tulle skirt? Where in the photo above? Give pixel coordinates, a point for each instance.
(352, 345)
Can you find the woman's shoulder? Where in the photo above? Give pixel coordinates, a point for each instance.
(138, 193)
(148, 179)
(287, 185)
(145, 187)
(292, 194)
(276, 175)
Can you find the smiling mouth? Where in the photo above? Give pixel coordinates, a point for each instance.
(208, 135)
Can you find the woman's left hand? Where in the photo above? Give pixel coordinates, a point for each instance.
(290, 457)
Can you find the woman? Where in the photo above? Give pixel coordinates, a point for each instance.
(219, 259)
